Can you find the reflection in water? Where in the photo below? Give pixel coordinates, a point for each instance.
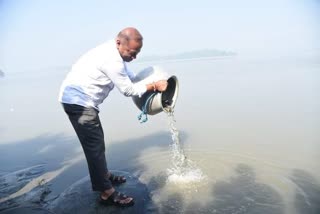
(183, 170)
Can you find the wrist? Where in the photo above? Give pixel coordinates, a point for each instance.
(154, 86)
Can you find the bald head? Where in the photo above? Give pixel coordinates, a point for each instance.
(130, 33)
(129, 43)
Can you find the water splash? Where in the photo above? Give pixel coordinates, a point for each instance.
(183, 170)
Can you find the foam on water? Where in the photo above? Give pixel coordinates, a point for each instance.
(183, 170)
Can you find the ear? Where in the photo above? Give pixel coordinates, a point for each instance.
(118, 42)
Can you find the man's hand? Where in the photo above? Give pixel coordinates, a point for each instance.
(161, 85)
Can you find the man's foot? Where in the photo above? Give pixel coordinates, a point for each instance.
(116, 179)
(113, 197)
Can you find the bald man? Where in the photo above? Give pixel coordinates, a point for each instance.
(86, 86)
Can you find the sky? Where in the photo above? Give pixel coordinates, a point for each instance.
(37, 34)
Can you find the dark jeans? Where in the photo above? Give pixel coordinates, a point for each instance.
(87, 125)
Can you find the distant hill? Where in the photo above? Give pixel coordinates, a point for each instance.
(1, 74)
(207, 53)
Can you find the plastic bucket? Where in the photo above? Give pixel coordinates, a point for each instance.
(154, 102)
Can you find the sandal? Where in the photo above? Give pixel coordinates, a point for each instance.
(117, 179)
(117, 199)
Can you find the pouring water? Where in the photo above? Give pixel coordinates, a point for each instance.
(183, 170)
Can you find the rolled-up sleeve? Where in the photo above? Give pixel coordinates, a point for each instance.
(118, 74)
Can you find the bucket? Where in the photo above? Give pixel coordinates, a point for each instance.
(154, 102)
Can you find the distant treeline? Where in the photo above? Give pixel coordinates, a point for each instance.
(189, 55)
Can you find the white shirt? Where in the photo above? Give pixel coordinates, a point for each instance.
(95, 74)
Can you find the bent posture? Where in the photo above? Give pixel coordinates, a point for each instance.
(86, 86)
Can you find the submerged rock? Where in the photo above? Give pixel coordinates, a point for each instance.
(79, 198)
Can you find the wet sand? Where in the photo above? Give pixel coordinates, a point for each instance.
(250, 126)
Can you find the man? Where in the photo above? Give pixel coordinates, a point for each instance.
(86, 86)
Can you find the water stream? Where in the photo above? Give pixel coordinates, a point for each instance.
(182, 169)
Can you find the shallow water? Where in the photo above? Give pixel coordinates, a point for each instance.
(244, 139)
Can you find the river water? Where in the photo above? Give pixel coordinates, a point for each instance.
(244, 138)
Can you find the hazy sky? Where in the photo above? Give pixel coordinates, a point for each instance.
(42, 33)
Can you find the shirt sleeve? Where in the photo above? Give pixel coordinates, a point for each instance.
(130, 73)
(121, 78)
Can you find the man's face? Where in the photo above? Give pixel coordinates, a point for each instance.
(129, 50)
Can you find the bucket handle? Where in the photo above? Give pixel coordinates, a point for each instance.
(144, 110)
